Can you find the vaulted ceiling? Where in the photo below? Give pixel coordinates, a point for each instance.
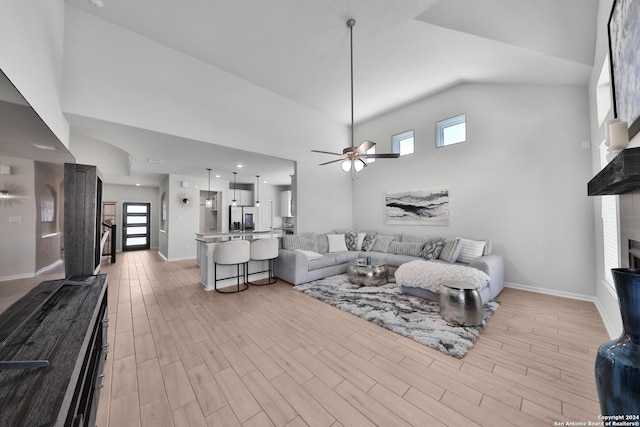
(404, 50)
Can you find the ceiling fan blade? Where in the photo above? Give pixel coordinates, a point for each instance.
(332, 161)
(326, 152)
(382, 156)
(362, 148)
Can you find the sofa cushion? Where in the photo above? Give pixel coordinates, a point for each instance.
(450, 251)
(345, 257)
(382, 243)
(354, 240)
(368, 241)
(307, 242)
(323, 243)
(470, 250)
(326, 261)
(309, 254)
(337, 243)
(432, 248)
(406, 248)
(394, 260)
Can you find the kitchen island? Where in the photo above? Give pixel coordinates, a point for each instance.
(206, 243)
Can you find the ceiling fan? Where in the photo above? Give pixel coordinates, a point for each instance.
(355, 157)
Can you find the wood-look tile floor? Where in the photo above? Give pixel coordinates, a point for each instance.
(273, 356)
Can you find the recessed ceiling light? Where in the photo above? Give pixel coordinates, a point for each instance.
(137, 184)
(264, 182)
(155, 160)
(239, 165)
(217, 176)
(45, 147)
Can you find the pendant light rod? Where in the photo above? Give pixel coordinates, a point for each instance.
(234, 202)
(257, 190)
(351, 23)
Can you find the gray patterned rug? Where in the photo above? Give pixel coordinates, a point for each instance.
(413, 317)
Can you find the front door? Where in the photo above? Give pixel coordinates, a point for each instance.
(136, 224)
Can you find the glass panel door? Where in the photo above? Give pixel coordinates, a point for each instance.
(136, 226)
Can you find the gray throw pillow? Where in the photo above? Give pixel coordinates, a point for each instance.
(432, 249)
(306, 242)
(351, 239)
(405, 248)
(382, 243)
(369, 240)
(451, 250)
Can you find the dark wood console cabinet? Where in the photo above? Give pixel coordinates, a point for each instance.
(62, 322)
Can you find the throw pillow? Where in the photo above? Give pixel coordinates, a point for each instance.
(470, 250)
(323, 244)
(361, 237)
(382, 243)
(368, 242)
(307, 242)
(450, 251)
(433, 248)
(337, 243)
(351, 240)
(405, 248)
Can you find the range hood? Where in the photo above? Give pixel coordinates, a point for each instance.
(620, 176)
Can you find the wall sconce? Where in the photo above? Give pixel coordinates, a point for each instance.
(4, 194)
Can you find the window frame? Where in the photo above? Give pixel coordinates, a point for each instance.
(442, 125)
(396, 142)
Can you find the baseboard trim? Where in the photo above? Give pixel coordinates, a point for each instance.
(552, 292)
(49, 267)
(605, 319)
(590, 298)
(181, 258)
(17, 277)
(162, 256)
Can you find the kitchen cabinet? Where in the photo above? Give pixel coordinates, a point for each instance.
(243, 197)
(285, 204)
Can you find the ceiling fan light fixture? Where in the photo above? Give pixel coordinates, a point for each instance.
(346, 165)
(358, 165)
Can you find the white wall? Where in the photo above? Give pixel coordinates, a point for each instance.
(144, 84)
(18, 248)
(31, 35)
(130, 193)
(520, 179)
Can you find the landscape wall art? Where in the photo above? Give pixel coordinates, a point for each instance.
(429, 207)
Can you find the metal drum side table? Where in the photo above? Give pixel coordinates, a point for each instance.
(363, 274)
(460, 304)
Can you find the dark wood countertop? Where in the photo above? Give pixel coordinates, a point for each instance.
(49, 323)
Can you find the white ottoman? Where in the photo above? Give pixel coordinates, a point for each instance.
(460, 304)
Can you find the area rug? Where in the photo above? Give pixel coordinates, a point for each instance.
(387, 306)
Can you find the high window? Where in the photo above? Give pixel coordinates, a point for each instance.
(451, 131)
(403, 143)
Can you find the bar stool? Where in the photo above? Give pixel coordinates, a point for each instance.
(264, 250)
(234, 252)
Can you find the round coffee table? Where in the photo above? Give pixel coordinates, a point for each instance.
(360, 273)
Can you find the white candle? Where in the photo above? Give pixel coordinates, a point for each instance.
(607, 130)
(618, 135)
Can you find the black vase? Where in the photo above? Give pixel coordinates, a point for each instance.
(618, 361)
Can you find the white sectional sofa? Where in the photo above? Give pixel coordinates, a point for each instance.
(310, 256)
